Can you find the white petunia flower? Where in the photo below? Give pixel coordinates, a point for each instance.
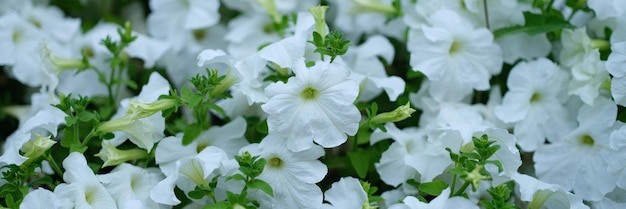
(588, 78)
(616, 66)
(130, 186)
(370, 72)
(82, 187)
(292, 175)
(578, 161)
(189, 172)
(315, 105)
(347, 193)
(608, 8)
(44, 199)
(228, 137)
(576, 46)
(443, 201)
(544, 195)
(143, 132)
(454, 55)
(534, 103)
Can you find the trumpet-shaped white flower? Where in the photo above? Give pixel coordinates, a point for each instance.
(414, 151)
(588, 78)
(443, 201)
(82, 187)
(454, 55)
(228, 137)
(370, 72)
(576, 47)
(143, 132)
(315, 105)
(544, 195)
(44, 199)
(616, 66)
(534, 103)
(347, 193)
(188, 173)
(292, 175)
(578, 161)
(130, 186)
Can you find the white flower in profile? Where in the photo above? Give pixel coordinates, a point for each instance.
(347, 193)
(370, 72)
(616, 65)
(443, 201)
(143, 132)
(292, 175)
(315, 105)
(189, 172)
(82, 187)
(44, 199)
(130, 186)
(578, 161)
(608, 8)
(534, 103)
(453, 54)
(413, 150)
(228, 137)
(614, 199)
(588, 78)
(543, 195)
(576, 47)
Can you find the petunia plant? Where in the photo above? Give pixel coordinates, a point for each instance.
(356, 104)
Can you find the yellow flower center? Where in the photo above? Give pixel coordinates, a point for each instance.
(309, 93)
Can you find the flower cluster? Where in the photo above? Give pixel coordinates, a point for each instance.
(313, 104)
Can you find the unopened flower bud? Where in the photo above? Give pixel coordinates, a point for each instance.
(35, 148)
(319, 14)
(113, 156)
(399, 114)
(365, 6)
(138, 110)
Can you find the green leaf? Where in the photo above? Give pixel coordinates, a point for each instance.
(219, 205)
(191, 133)
(196, 194)
(433, 188)
(236, 177)
(68, 139)
(85, 116)
(535, 24)
(263, 186)
(360, 160)
(216, 108)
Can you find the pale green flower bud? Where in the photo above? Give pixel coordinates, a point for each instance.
(113, 156)
(600, 44)
(319, 14)
(138, 110)
(59, 62)
(35, 148)
(399, 114)
(225, 84)
(116, 124)
(270, 8)
(365, 6)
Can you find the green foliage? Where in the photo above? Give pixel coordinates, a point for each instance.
(500, 196)
(80, 122)
(469, 163)
(537, 24)
(331, 45)
(251, 167)
(201, 101)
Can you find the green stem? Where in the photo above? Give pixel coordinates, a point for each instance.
(54, 164)
(462, 189)
(87, 138)
(453, 184)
